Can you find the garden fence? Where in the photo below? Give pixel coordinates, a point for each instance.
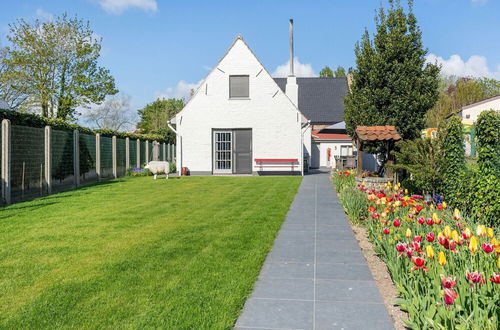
(37, 162)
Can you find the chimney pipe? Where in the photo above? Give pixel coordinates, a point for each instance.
(292, 74)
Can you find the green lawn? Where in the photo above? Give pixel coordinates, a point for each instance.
(135, 253)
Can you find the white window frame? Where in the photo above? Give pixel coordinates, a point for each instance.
(215, 151)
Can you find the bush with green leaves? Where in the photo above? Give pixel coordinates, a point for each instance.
(355, 204)
(452, 148)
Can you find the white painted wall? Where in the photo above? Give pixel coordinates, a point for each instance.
(470, 114)
(274, 120)
(335, 151)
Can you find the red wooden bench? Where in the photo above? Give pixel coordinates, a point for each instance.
(276, 162)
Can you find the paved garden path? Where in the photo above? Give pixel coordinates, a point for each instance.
(315, 276)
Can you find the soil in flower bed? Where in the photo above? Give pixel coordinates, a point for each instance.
(382, 278)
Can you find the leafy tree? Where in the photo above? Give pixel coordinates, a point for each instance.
(54, 63)
(326, 72)
(114, 113)
(443, 107)
(490, 87)
(392, 85)
(155, 115)
(14, 97)
(339, 72)
(488, 139)
(451, 137)
(465, 92)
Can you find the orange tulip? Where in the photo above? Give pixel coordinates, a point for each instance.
(436, 219)
(441, 258)
(473, 244)
(494, 242)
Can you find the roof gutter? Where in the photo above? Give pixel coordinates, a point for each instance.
(179, 161)
(305, 125)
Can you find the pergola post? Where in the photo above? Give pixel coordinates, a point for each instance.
(359, 164)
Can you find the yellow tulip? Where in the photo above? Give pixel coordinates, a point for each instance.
(432, 207)
(456, 215)
(494, 242)
(408, 233)
(430, 251)
(444, 205)
(435, 218)
(473, 244)
(406, 191)
(441, 258)
(447, 232)
(490, 232)
(467, 232)
(455, 236)
(481, 230)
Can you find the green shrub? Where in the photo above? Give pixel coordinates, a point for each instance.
(452, 148)
(355, 204)
(488, 140)
(138, 172)
(173, 167)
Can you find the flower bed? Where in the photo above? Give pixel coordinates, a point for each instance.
(445, 267)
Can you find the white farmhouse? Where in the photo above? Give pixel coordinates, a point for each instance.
(243, 121)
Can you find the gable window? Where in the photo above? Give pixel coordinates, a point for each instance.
(239, 87)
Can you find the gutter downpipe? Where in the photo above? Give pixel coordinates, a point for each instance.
(302, 131)
(169, 124)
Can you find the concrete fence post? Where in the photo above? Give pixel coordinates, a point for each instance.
(147, 151)
(174, 154)
(156, 150)
(48, 159)
(6, 161)
(76, 157)
(127, 153)
(163, 146)
(98, 156)
(168, 153)
(138, 153)
(113, 156)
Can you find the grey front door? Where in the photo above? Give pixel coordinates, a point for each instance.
(242, 151)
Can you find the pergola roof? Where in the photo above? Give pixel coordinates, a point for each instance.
(377, 133)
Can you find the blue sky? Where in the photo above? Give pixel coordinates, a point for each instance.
(163, 48)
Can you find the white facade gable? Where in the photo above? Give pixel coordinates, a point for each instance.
(274, 121)
(471, 112)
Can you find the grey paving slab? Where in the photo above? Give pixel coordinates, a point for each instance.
(288, 270)
(340, 315)
(277, 314)
(299, 289)
(356, 272)
(315, 276)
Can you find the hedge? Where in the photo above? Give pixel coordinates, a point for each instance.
(32, 120)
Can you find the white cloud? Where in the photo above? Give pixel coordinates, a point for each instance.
(301, 69)
(181, 90)
(118, 6)
(475, 66)
(43, 15)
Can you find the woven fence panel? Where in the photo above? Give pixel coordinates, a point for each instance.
(106, 157)
(151, 152)
(161, 152)
(27, 162)
(87, 158)
(62, 160)
(143, 153)
(120, 157)
(133, 153)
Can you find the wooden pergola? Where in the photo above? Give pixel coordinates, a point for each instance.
(364, 134)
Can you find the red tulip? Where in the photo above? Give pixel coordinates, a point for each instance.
(440, 207)
(375, 215)
(401, 247)
(387, 231)
(415, 246)
(417, 239)
(448, 282)
(380, 195)
(396, 223)
(475, 277)
(495, 278)
(430, 237)
(442, 240)
(409, 253)
(449, 296)
(421, 220)
(410, 216)
(418, 208)
(487, 247)
(419, 263)
(451, 245)
(371, 209)
(429, 221)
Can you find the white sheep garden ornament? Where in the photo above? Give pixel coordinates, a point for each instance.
(158, 167)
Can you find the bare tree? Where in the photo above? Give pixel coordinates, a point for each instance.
(114, 113)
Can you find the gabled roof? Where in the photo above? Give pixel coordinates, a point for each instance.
(377, 133)
(316, 135)
(321, 100)
(481, 102)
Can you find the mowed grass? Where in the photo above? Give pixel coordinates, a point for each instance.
(139, 253)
